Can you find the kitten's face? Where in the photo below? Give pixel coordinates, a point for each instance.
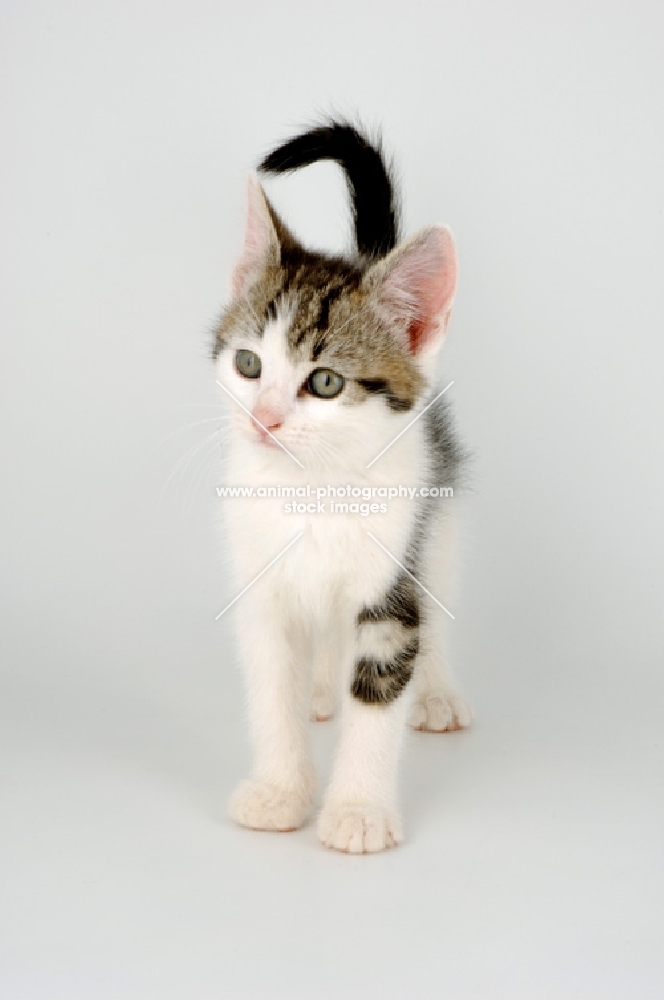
(326, 354)
(306, 353)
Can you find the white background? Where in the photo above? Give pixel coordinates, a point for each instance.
(533, 866)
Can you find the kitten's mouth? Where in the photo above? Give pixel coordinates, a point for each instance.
(268, 442)
(262, 436)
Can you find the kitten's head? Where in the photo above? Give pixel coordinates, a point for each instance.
(329, 354)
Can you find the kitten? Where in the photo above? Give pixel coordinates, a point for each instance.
(327, 360)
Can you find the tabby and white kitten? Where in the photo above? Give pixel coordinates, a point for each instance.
(328, 359)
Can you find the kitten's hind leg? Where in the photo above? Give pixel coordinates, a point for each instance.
(325, 678)
(438, 706)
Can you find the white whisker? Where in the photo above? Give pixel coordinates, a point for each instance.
(197, 479)
(185, 460)
(185, 427)
(216, 406)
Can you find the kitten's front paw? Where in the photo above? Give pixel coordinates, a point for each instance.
(267, 807)
(358, 828)
(440, 711)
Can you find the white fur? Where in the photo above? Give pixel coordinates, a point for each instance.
(360, 808)
(303, 610)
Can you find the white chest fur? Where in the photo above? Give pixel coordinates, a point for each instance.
(335, 554)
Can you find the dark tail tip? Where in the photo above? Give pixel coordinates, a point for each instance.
(370, 182)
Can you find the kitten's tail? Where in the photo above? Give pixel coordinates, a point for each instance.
(370, 181)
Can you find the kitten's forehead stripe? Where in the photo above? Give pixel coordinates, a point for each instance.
(331, 296)
(317, 349)
(318, 282)
(271, 311)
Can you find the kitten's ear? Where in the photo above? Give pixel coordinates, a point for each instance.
(416, 284)
(264, 236)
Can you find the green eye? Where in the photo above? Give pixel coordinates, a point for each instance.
(325, 383)
(248, 364)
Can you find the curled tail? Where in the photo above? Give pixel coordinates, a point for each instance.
(370, 185)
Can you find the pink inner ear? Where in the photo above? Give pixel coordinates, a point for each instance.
(259, 239)
(420, 284)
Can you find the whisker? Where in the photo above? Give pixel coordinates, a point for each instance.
(217, 406)
(185, 427)
(196, 480)
(186, 459)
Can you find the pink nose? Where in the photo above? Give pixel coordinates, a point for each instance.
(270, 418)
